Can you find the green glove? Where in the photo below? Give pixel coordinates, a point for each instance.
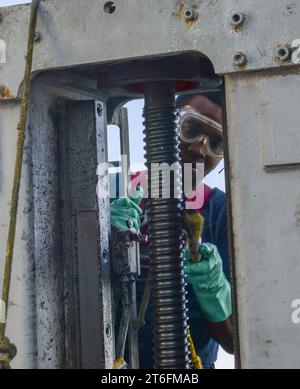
(209, 283)
(125, 213)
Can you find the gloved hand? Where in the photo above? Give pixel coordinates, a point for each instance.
(126, 214)
(209, 283)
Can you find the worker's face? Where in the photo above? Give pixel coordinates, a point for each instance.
(195, 152)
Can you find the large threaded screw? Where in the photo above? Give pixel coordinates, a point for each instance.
(165, 230)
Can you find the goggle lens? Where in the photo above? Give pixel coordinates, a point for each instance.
(195, 127)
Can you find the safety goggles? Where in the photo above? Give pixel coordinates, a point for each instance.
(196, 127)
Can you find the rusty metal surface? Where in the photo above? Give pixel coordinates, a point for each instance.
(74, 35)
(4, 92)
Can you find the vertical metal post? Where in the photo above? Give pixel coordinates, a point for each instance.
(89, 336)
(264, 179)
(107, 333)
(125, 164)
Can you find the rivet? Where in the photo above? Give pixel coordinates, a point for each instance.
(237, 19)
(190, 14)
(109, 7)
(239, 59)
(283, 53)
(105, 254)
(108, 331)
(99, 110)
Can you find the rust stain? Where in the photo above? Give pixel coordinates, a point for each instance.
(179, 12)
(190, 22)
(4, 92)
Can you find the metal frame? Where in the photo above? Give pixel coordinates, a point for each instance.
(165, 31)
(254, 53)
(263, 168)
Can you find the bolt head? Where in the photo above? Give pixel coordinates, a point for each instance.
(237, 19)
(105, 255)
(99, 110)
(239, 59)
(108, 330)
(190, 14)
(283, 53)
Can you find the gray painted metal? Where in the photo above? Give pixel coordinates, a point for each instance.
(120, 119)
(133, 331)
(125, 143)
(47, 231)
(264, 171)
(107, 336)
(21, 321)
(81, 230)
(73, 34)
(90, 344)
(263, 159)
(125, 149)
(41, 320)
(133, 254)
(90, 315)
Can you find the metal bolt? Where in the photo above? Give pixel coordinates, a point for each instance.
(283, 53)
(237, 19)
(99, 110)
(105, 255)
(239, 59)
(190, 14)
(108, 330)
(109, 7)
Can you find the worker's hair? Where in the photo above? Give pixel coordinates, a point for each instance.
(183, 100)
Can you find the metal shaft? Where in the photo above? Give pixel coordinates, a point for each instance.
(165, 231)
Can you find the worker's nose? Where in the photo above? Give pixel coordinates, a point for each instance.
(198, 149)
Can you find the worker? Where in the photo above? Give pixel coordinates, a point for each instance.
(209, 294)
